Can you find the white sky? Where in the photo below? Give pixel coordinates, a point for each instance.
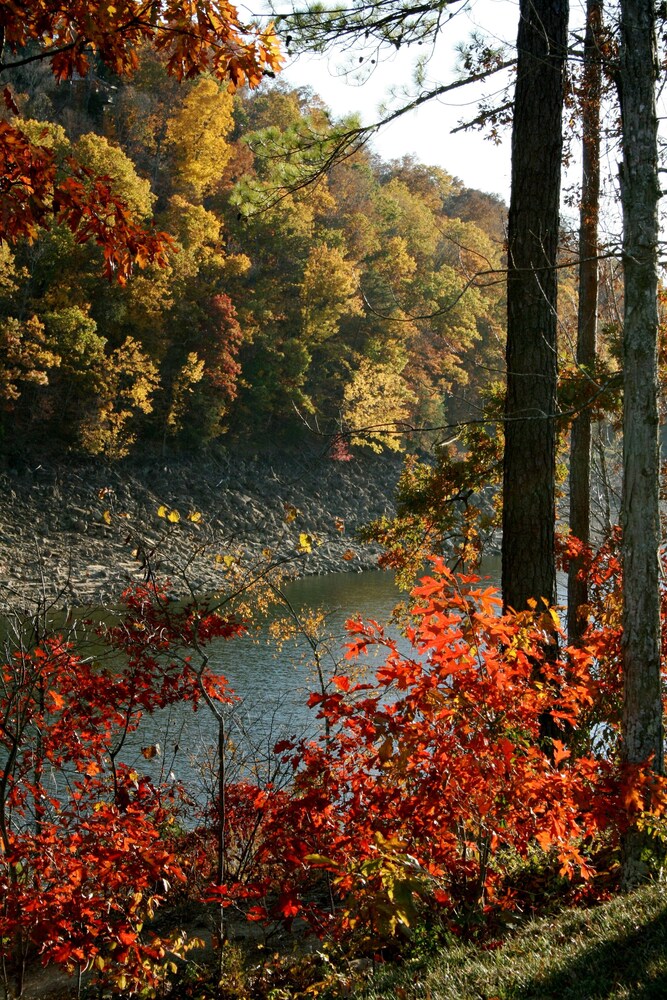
(426, 132)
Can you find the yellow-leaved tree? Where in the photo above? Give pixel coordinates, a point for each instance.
(376, 405)
(25, 356)
(125, 388)
(329, 292)
(102, 157)
(197, 138)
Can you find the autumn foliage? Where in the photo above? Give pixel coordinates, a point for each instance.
(330, 307)
(206, 36)
(86, 849)
(430, 787)
(433, 780)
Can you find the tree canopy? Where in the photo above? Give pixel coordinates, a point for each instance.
(206, 36)
(247, 318)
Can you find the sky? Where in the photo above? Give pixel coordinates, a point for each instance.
(425, 133)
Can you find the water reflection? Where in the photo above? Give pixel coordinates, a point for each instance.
(271, 681)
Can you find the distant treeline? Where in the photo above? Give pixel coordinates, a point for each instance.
(363, 304)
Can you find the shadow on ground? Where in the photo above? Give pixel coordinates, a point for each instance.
(632, 965)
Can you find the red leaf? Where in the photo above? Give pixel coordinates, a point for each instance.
(10, 103)
(288, 905)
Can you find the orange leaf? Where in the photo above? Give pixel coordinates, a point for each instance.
(58, 700)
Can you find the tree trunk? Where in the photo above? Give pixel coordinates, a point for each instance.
(528, 559)
(580, 440)
(640, 191)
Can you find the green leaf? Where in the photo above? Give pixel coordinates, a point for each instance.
(319, 859)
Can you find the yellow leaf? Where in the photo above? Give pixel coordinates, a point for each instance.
(106, 517)
(320, 859)
(305, 542)
(173, 516)
(195, 516)
(228, 561)
(162, 511)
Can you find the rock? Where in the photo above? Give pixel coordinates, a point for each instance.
(242, 504)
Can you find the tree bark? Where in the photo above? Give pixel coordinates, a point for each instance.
(528, 559)
(640, 516)
(580, 439)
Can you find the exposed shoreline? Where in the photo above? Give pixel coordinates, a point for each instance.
(74, 533)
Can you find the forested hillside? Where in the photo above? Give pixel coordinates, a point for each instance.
(364, 304)
(184, 262)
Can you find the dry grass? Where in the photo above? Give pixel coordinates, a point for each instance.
(616, 951)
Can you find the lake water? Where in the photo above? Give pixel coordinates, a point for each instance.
(272, 682)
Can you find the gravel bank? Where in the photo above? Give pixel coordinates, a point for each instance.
(77, 533)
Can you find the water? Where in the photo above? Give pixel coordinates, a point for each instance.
(272, 682)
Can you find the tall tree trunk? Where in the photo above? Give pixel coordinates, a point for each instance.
(580, 441)
(528, 559)
(640, 517)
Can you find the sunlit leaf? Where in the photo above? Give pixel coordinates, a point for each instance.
(58, 700)
(320, 859)
(305, 542)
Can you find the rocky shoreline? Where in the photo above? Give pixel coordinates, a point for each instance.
(76, 533)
